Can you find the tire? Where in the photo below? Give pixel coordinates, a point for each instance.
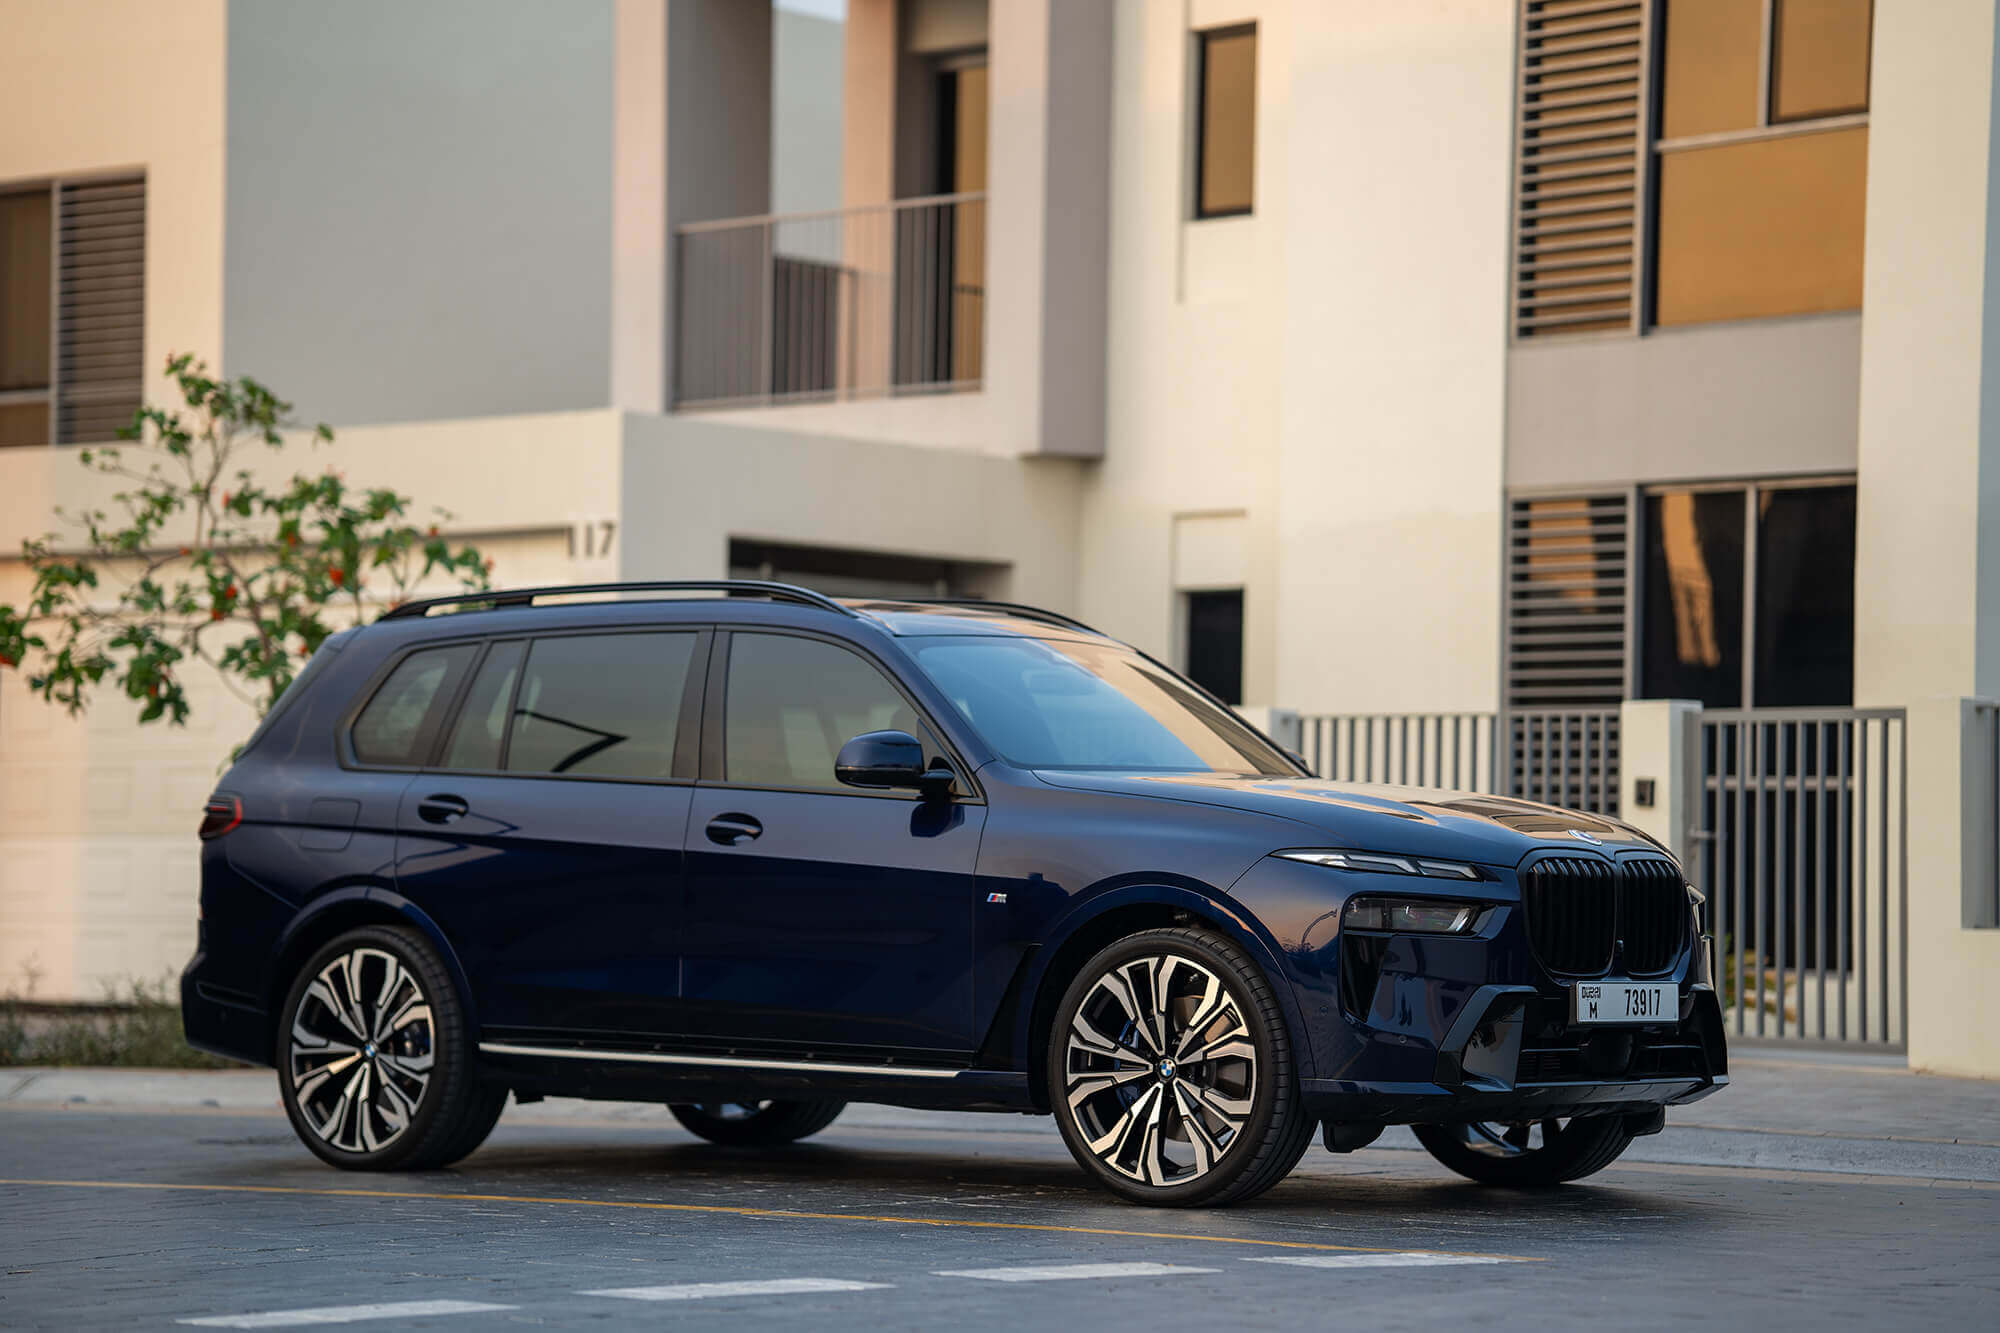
(1140, 1114)
(756, 1124)
(1529, 1155)
(378, 1008)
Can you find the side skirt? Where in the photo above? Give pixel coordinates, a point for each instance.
(615, 1075)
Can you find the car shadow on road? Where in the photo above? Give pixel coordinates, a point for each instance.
(1377, 1189)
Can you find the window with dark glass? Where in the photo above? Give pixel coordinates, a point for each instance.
(1225, 121)
(1692, 639)
(72, 309)
(25, 309)
(1793, 645)
(401, 720)
(598, 706)
(481, 728)
(1803, 648)
(1215, 642)
(793, 702)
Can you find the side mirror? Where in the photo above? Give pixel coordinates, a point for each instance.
(882, 759)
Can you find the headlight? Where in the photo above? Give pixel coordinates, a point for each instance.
(1378, 863)
(1405, 916)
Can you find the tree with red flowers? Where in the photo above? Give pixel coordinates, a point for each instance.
(200, 562)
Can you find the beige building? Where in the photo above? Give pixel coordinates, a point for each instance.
(1490, 369)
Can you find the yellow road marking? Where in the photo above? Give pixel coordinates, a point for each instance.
(786, 1214)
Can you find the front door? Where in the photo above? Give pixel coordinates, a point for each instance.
(821, 916)
(546, 837)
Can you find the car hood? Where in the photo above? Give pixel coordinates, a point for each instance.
(1415, 821)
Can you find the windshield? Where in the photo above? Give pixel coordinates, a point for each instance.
(1045, 703)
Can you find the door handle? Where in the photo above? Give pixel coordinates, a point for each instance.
(728, 830)
(441, 809)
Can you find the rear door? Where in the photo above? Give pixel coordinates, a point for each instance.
(545, 836)
(821, 916)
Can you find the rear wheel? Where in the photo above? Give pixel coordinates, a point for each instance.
(375, 1059)
(757, 1124)
(1171, 1074)
(1527, 1153)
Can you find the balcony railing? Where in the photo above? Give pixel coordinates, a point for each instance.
(812, 307)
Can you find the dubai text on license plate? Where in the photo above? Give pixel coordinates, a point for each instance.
(1625, 1002)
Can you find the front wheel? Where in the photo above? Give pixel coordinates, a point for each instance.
(1170, 1072)
(757, 1124)
(1530, 1153)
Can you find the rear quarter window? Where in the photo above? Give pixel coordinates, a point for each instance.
(401, 719)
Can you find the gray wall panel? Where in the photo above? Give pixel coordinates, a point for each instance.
(419, 205)
(1758, 398)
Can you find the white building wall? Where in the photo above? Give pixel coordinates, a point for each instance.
(1193, 367)
(1394, 356)
(1331, 367)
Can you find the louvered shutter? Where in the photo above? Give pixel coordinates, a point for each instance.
(1567, 593)
(1580, 198)
(101, 296)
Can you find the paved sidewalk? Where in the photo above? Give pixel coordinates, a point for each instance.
(1784, 1110)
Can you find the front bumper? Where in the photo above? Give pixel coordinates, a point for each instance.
(1511, 1057)
(1406, 1028)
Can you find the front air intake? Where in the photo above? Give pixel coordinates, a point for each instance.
(1571, 904)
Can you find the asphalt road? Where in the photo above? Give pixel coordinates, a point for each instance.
(127, 1216)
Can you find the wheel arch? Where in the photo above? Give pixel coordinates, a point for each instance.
(342, 910)
(1126, 911)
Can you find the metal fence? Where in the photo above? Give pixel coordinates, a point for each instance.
(853, 303)
(1566, 757)
(1449, 750)
(1800, 848)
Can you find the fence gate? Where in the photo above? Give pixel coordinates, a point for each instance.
(1799, 844)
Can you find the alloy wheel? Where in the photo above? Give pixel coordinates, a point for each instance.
(361, 1050)
(1160, 1069)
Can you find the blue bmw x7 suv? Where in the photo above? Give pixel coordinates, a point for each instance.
(755, 853)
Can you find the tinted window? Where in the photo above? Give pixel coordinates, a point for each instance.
(1805, 597)
(482, 722)
(399, 722)
(1053, 704)
(600, 705)
(1215, 643)
(794, 702)
(1692, 634)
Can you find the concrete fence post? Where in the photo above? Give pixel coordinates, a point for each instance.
(1656, 787)
(1954, 966)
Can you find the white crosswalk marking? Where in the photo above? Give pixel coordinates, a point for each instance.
(1064, 1272)
(777, 1286)
(1411, 1260)
(344, 1314)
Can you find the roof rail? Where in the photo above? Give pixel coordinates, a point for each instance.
(777, 592)
(1021, 609)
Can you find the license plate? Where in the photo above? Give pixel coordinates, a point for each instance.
(1624, 1002)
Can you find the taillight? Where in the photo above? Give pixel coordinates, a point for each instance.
(220, 815)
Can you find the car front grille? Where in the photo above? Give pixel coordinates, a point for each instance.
(1572, 909)
(1579, 908)
(1652, 915)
